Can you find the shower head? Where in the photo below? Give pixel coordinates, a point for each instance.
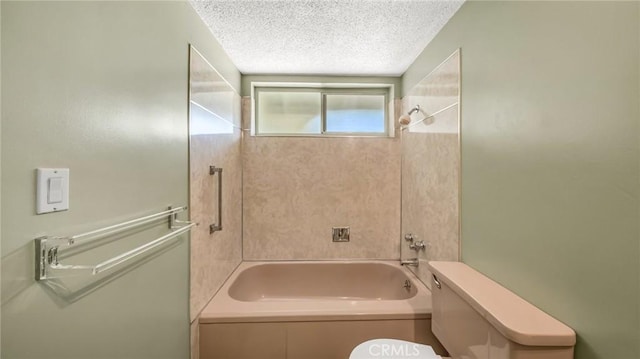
(405, 120)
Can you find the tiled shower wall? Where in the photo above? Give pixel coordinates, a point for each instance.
(214, 256)
(431, 166)
(215, 140)
(295, 189)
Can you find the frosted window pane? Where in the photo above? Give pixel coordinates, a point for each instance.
(289, 113)
(355, 113)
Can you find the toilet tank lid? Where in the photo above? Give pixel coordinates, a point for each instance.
(514, 317)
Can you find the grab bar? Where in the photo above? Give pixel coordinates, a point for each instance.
(212, 171)
(47, 248)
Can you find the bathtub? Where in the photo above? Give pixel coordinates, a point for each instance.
(322, 309)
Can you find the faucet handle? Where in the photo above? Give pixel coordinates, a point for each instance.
(410, 237)
(418, 246)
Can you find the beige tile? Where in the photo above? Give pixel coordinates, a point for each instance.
(246, 114)
(214, 256)
(430, 193)
(296, 189)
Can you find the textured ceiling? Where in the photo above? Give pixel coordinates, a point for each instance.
(330, 37)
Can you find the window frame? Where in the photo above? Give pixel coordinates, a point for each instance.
(386, 90)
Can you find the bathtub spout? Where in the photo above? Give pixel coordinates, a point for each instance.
(410, 262)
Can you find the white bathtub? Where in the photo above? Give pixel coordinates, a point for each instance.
(319, 309)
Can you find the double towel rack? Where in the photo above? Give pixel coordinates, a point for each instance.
(48, 249)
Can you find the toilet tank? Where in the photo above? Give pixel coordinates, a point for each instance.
(476, 318)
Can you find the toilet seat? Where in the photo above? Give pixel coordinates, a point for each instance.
(392, 349)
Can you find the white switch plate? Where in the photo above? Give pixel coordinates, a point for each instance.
(52, 193)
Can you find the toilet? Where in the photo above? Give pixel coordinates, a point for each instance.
(476, 318)
(392, 349)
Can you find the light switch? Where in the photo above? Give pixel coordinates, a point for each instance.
(52, 193)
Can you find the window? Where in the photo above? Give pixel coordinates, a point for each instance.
(288, 112)
(320, 111)
(355, 113)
